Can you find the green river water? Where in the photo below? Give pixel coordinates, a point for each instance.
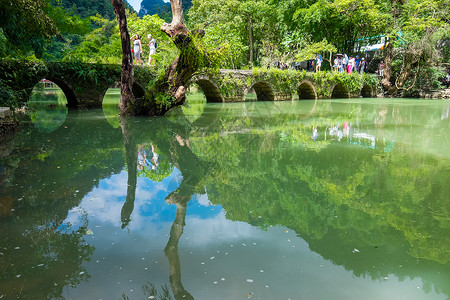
(327, 199)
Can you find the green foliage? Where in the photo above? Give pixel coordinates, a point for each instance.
(163, 99)
(310, 51)
(27, 25)
(88, 8)
(103, 45)
(16, 77)
(229, 23)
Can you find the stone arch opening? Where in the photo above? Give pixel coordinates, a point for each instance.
(263, 91)
(110, 104)
(138, 90)
(340, 91)
(48, 106)
(306, 91)
(366, 91)
(210, 89)
(67, 90)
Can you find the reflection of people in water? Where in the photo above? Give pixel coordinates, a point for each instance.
(335, 131)
(155, 158)
(143, 154)
(315, 134)
(142, 157)
(346, 128)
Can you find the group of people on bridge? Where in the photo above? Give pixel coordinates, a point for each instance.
(348, 64)
(137, 50)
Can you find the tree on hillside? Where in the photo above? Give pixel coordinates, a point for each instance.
(27, 25)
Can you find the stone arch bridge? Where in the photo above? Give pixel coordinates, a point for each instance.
(86, 84)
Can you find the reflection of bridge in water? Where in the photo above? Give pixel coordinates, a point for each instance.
(85, 85)
(385, 252)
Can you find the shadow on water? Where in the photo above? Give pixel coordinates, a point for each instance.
(361, 198)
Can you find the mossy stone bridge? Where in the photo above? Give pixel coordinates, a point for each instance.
(86, 84)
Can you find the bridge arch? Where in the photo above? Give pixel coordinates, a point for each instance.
(67, 90)
(306, 90)
(138, 90)
(340, 91)
(209, 88)
(367, 91)
(263, 91)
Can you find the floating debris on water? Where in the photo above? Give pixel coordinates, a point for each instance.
(250, 280)
(355, 250)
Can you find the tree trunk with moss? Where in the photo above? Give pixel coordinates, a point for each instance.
(171, 90)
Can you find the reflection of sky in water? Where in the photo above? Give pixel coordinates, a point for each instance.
(104, 204)
(220, 259)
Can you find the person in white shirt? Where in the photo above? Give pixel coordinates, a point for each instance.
(152, 45)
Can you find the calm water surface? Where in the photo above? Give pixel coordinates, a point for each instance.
(329, 199)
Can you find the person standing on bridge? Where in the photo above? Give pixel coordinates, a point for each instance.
(152, 46)
(319, 60)
(137, 47)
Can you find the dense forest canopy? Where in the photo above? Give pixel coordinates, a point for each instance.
(249, 33)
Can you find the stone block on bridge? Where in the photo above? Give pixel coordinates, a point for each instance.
(5, 112)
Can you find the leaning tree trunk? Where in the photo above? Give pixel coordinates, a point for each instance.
(182, 68)
(126, 80)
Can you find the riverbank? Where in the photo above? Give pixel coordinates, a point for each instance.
(8, 123)
(438, 94)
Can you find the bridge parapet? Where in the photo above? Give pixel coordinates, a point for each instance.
(83, 84)
(86, 84)
(282, 85)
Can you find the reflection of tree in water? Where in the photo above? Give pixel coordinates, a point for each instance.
(176, 147)
(40, 254)
(363, 199)
(392, 203)
(32, 258)
(327, 201)
(151, 292)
